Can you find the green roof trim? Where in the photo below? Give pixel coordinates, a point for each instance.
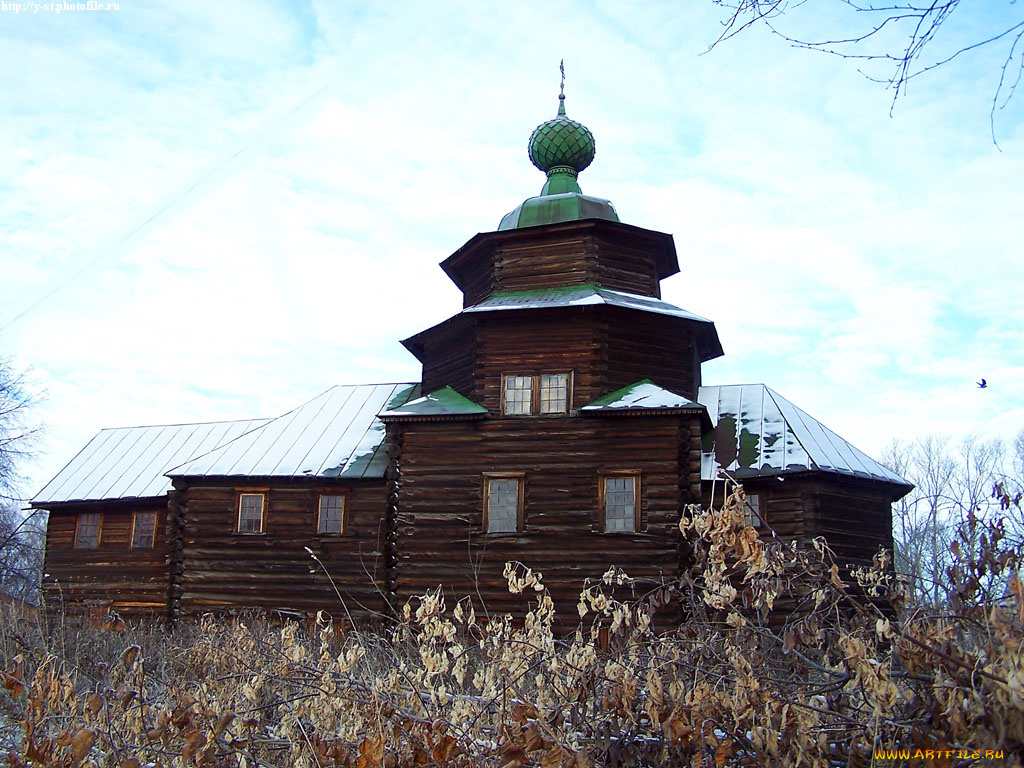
(643, 395)
(443, 403)
(567, 205)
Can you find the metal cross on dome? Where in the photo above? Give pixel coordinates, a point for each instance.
(561, 68)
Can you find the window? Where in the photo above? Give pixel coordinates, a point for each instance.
(518, 395)
(752, 510)
(546, 393)
(87, 533)
(143, 530)
(620, 507)
(554, 393)
(503, 503)
(332, 514)
(250, 512)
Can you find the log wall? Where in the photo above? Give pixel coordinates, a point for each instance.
(440, 539)
(575, 253)
(273, 570)
(639, 345)
(113, 574)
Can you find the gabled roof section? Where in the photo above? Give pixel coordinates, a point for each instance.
(578, 296)
(130, 462)
(643, 396)
(759, 432)
(443, 404)
(336, 434)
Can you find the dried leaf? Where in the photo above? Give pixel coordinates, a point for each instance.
(13, 682)
(371, 752)
(81, 743)
(222, 723)
(129, 655)
(94, 703)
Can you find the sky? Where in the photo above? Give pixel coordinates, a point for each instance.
(218, 210)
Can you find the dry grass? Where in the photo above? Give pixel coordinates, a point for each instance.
(840, 678)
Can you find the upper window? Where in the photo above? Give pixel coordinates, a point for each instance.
(554, 393)
(87, 534)
(503, 503)
(753, 510)
(518, 395)
(143, 530)
(545, 393)
(332, 514)
(251, 507)
(620, 507)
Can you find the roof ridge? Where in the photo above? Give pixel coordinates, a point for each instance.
(773, 394)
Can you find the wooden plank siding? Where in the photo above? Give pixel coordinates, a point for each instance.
(273, 570)
(639, 345)
(440, 540)
(131, 580)
(612, 255)
(530, 342)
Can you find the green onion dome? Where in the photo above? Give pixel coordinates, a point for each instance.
(561, 148)
(561, 144)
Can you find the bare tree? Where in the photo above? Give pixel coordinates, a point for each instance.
(22, 537)
(905, 38)
(953, 493)
(21, 534)
(17, 432)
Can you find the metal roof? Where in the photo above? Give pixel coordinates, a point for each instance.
(577, 296)
(759, 432)
(130, 462)
(586, 294)
(644, 395)
(336, 434)
(442, 403)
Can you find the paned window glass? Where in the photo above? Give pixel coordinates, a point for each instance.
(143, 529)
(554, 393)
(250, 513)
(88, 534)
(518, 395)
(502, 504)
(332, 510)
(620, 503)
(752, 510)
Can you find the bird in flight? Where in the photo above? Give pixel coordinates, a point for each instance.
(982, 384)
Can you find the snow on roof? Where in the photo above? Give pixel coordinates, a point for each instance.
(579, 295)
(759, 432)
(444, 402)
(130, 462)
(336, 434)
(643, 395)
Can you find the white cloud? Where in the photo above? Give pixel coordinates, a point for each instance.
(864, 266)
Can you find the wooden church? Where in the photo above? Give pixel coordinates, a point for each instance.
(560, 421)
